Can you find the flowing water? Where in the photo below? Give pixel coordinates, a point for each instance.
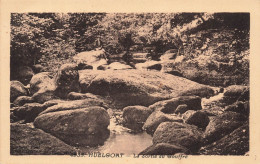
(122, 141)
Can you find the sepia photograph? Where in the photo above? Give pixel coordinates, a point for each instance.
(137, 86)
(129, 83)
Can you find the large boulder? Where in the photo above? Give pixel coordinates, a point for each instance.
(17, 89)
(179, 134)
(21, 100)
(164, 149)
(42, 87)
(235, 143)
(134, 87)
(75, 104)
(169, 106)
(222, 125)
(197, 118)
(156, 118)
(135, 116)
(26, 140)
(92, 58)
(24, 74)
(67, 80)
(73, 125)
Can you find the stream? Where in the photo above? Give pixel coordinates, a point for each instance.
(121, 140)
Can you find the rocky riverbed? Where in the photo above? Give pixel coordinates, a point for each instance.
(126, 111)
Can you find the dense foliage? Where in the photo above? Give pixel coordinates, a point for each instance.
(51, 39)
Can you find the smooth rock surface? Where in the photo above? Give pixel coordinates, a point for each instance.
(85, 127)
(134, 87)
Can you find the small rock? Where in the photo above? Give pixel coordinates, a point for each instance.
(82, 66)
(17, 89)
(102, 67)
(135, 116)
(197, 118)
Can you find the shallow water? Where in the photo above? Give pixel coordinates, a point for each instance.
(122, 141)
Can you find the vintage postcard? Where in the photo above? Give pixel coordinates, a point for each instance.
(129, 81)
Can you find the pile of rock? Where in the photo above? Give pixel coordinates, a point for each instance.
(73, 105)
(180, 126)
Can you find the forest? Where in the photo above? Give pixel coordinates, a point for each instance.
(207, 41)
